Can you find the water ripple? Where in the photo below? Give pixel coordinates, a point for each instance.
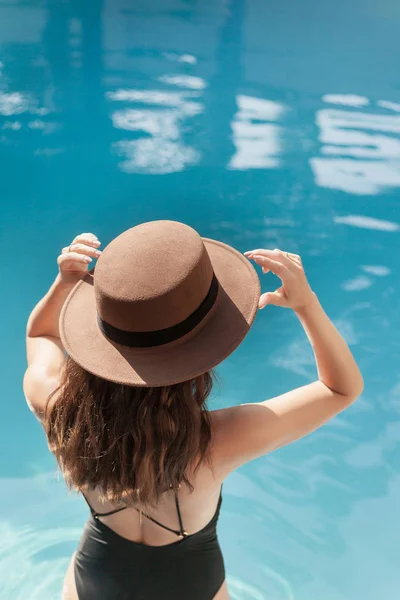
(34, 578)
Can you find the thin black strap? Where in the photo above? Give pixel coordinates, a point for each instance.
(107, 514)
(181, 533)
(96, 514)
(178, 510)
(178, 533)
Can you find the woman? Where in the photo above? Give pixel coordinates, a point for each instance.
(120, 363)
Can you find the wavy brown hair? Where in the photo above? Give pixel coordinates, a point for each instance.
(132, 443)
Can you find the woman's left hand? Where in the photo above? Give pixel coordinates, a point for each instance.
(74, 259)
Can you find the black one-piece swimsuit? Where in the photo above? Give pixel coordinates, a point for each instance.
(110, 567)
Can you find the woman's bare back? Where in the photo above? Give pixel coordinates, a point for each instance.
(197, 509)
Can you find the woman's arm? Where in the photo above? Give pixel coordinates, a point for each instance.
(250, 430)
(45, 353)
(336, 366)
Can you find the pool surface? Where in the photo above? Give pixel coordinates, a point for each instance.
(259, 123)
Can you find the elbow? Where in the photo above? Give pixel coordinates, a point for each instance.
(30, 327)
(37, 409)
(356, 390)
(359, 385)
(31, 331)
(28, 330)
(39, 412)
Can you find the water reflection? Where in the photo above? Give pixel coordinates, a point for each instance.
(37, 537)
(395, 106)
(162, 150)
(185, 81)
(257, 140)
(346, 99)
(378, 270)
(348, 133)
(364, 222)
(274, 587)
(361, 282)
(183, 58)
(14, 104)
(32, 578)
(297, 358)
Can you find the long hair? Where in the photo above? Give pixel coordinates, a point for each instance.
(131, 443)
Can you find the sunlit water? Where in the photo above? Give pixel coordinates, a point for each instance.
(261, 124)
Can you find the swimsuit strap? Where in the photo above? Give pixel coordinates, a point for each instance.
(106, 514)
(181, 533)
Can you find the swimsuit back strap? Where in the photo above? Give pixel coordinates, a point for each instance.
(96, 514)
(107, 514)
(180, 533)
(178, 510)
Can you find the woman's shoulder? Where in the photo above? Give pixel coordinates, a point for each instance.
(223, 418)
(225, 423)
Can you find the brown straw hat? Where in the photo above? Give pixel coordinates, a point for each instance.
(162, 306)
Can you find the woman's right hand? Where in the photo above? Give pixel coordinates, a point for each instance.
(74, 259)
(295, 291)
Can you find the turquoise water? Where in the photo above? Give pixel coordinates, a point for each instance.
(261, 124)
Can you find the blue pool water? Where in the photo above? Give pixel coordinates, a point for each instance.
(259, 123)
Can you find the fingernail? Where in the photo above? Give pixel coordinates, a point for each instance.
(87, 259)
(97, 252)
(96, 242)
(248, 252)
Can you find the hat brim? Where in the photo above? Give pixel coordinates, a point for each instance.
(215, 338)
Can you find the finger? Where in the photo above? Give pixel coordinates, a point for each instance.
(276, 298)
(86, 238)
(278, 268)
(85, 249)
(296, 258)
(276, 255)
(73, 257)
